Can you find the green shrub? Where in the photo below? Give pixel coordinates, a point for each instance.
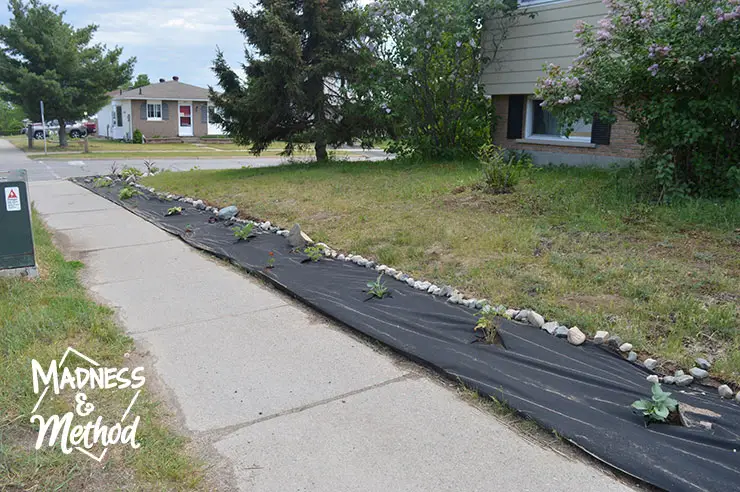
(127, 193)
(670, 67)
(502, 169)
(657, 408)
(138, 137)
(130, 171)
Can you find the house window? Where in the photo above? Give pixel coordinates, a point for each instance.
(119, 116)
(154, 111)
(542, 124)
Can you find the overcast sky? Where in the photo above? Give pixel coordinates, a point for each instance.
(167, 37)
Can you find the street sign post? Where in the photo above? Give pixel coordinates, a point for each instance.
(17, 256)
(43, 125)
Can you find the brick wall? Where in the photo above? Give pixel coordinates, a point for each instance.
(623, 143)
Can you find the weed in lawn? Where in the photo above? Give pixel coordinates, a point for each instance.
(314, 253)
(377, 288)
(657, 408)
(128, 192)
(102, 182)
(502, 170)
(173, 211)
(244, 232)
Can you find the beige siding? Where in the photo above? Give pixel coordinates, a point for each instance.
(151, 129)
(532, 43)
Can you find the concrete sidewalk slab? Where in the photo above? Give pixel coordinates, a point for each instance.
(53, 203)
(114, 235)
(92, 218)
(410, 435)
(269, 362)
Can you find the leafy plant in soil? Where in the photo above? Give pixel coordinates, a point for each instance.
(173, 211)
(377, 288)
(488, 323)
(659, 407)
(128, 192)
(150, 167)
(130, 171)
(243, 233)
(102, 183)
(314, 254)
(270, 260)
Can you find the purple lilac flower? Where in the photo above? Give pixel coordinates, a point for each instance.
(472, 43)
(653, 69)
(580, 27)
(606, 23)
(680, 2)
(414, 50)
(458, 44)
(702, 22)
(602, 35)
(577, 97)
(573, 83)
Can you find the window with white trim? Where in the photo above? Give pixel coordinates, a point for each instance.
(154, 110)
(542, 124)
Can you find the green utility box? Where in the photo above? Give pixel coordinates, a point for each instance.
(16, 236)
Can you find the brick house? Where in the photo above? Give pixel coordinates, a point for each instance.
(510, 81)
(168, 109)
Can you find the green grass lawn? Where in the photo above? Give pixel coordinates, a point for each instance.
(39, 320)
(574, 244)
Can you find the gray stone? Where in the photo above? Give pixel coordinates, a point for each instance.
(535, 319)
(410, 281)
(382, 268)
(511, 313)
(725, 391)
(418, 284)
(684, 380)
(297, 238)
(550, 327)
(698, 373)
(362, 262)
(653, 378)
(669, 380)
(703, 363)
(392, 272)
(265, 226)
(437, 291)
(678, 373)
(625, 347)
(228, 212)
(425, 285)
(402, 277)
(615, 341)
(340, 257)
(522, 315)
(561, 332)
(576, 336)
(480, 303)
(650, 364)
(447, 291)
(601, 337)
(199, 205)
(215, 211)
(455, 299)
(738, 396)
(432, 288)
(632, 357)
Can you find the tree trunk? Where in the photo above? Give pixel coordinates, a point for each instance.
(62, 133)
(321, 154)
(29, 134)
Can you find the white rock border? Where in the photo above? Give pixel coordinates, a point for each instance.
(454, 296)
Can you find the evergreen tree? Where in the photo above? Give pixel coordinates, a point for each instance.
(303, 58)
(44, 58)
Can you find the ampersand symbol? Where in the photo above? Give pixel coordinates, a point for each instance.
(82, 407)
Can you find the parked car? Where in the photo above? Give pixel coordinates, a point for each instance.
(91, 127)
(74, 130)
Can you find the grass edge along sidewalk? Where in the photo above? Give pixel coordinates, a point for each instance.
(38, 320)
(577, 245)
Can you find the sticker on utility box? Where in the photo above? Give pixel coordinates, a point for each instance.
(13, 199)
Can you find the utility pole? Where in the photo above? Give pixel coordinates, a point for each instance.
(43, 125)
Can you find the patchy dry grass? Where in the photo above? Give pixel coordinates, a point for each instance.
(39, 320)
(574, 244)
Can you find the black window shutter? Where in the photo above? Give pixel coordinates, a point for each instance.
(601, 132)
(516, 117)
(143, 111)
(165, 111)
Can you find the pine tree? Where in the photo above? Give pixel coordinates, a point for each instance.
(303, 58)
(44, 58)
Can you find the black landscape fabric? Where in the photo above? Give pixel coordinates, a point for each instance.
(584, 393)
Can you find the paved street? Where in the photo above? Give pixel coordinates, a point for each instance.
(274, 396)
(51, 169)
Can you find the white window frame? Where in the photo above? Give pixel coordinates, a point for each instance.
(529, 129)
(154, 105)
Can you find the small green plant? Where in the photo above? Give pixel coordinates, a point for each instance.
(314, 253)
(173, 211)
(130, 171)
(114, 168)
(657, 408)
(271, 260)
(138, 137)
(377, 288)
(189, 229)
(488, 324)
(150, 167)
(243, 233)
(502, 170)
(102, 183)
(128, 192)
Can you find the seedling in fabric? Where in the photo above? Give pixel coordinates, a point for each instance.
(657, 408)
(173, 211)
(150, 167)
(102, 183)
(128, 192)
(488, 324)
(377, 288)
(271, 260)
(314, 254)
(130, 171)
(189, 229)
(243, 233)
(114, 168)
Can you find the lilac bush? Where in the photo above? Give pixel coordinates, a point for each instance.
(671, 67)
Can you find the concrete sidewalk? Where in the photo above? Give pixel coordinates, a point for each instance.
(284, 399)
